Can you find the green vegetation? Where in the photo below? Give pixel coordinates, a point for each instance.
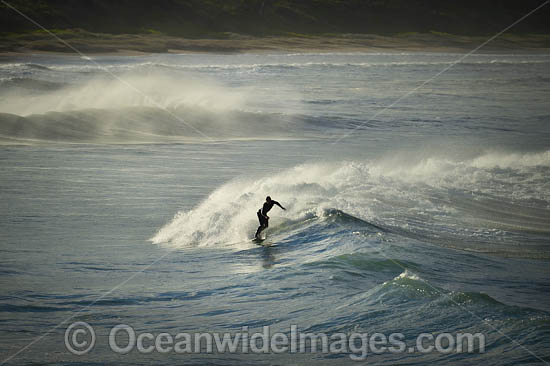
(213, 18)
(107, 26)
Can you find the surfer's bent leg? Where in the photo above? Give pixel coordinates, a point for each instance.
(258, 231)
(261, 227)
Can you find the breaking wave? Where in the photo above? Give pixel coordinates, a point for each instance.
(460, 204)
(132, 109)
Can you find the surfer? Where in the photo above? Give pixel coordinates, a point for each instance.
(262, 214)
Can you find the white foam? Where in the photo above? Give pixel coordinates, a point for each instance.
(228, 215)
(378, 192)
(129, 90)
(409, 275)
(512, 160)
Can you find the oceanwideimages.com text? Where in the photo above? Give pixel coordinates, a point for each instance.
(80, 339)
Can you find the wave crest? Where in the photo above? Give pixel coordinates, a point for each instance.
(342, 198)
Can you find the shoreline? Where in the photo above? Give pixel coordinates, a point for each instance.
(145, 44)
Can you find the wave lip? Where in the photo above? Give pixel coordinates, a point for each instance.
(141, 125)
(31, 84)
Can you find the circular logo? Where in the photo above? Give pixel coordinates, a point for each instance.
(79, 338)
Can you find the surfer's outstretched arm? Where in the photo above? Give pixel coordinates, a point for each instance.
(278, 204)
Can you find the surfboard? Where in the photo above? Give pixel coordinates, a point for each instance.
(258, 239)
(264, 243)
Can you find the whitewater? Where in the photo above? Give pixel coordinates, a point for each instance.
(130, 186)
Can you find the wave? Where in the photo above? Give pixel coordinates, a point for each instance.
(11, 66)
(144, 108)
(449, 203)
(158, 90)
(136, 108)
(222, 221)
(31, 84)
(410, 285)
(432, 305)
(143, 125)
(260, 67)
(283, 66)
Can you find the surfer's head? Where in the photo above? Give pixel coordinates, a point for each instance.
(268, 198)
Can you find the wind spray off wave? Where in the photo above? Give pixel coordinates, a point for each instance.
(134, 108)
(451, 203)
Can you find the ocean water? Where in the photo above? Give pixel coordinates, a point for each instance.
(129, 188)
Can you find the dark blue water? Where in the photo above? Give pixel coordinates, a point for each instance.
(430, 217)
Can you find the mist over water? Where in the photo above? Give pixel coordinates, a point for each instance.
(431, 215)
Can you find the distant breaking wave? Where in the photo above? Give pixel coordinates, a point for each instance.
(31, 84)
(136, 108)
(279, 66)
(142, 125)
(159, 66)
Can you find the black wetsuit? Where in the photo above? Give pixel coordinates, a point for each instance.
(262, 215)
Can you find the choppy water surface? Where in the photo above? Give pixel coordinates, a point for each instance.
(129, 188)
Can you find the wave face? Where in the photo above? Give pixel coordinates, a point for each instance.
(140, 125)
(130, 108)
(492, 203)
